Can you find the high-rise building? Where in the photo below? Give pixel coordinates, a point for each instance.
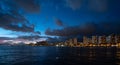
(85, 40)
(117, 39)
(108, 38)
(111, 39)
(89, 40)
(102, 39)
(94, 39)
(75, 41)
(99, 39)
(70, 42)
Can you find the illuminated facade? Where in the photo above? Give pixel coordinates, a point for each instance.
(70, 42)
(87, 40)
(117, 39)
(94, 39)
(111, 39)
(75, 41)
(102, 40)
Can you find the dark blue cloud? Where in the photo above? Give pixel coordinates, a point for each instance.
(12, 19)
(103, 28)
(31, 6)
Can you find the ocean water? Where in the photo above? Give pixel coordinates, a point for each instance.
(29, 55)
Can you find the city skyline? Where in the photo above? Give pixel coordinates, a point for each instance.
(91, 41)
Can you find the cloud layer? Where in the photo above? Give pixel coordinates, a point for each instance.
(98, 5)
(74, 4)
(102, 28)
(32, 37)
(93, 5)
(12, 19)
(31, 6)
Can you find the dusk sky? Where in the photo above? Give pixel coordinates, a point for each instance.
(48, 19)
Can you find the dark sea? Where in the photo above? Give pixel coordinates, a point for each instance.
(29, 55)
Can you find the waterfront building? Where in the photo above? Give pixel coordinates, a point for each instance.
(75, 41)
(85, 40)
(108, 39)
(102, 40)
(89, 40)
(71, 42)
(111, 39)
(94, 39)
(117, 39)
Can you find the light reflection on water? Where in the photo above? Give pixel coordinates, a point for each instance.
(28, 55)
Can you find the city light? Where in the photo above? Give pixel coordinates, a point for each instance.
(95, 41)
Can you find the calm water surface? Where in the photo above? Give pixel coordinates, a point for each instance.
(28, 55)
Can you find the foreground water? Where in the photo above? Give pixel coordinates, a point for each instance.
(28, 55)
